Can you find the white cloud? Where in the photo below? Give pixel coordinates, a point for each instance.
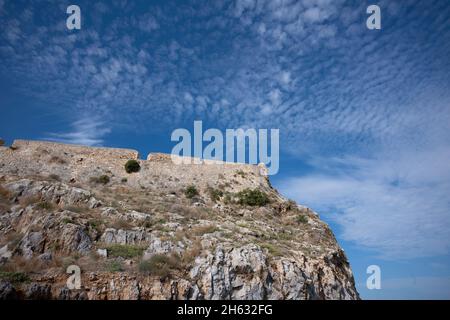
(86, 131)
(397, 205)
(332, 88)
(275, 97)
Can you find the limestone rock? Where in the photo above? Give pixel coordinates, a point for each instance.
(166, 245)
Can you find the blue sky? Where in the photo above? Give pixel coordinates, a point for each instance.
(364, 115)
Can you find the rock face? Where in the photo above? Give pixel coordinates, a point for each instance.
(144, 235)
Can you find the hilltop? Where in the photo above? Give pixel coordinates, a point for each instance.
(164, 231)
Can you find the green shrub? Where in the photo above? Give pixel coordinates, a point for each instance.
(240, 173)
(132, 166)
(191, 192)
(114, 266)
(95, 224)
(2, 142)
(160, 265)
(125, 251)
(45, 205)
(302, 219)
(274, 250)
(103, 179)
(14, 277)
(66, 220)
(252, 197)
(215, 194)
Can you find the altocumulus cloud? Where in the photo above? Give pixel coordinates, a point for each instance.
(368, 110)
(394, 201)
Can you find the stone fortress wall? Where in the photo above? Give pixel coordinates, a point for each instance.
(78, 164)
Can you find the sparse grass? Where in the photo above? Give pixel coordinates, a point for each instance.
(215, 194)
(227, 199)
(191, 191)
(132, 166)
(103, 179)
(29, 200)
(194, 213)
(286, 236)
(66, 220)
(274, 250)
(290, 205)
(120, 224)
(95, 224)
(19, 265)
(241, 173)
(114, 266)
(76, 209)
(13, 238)
(67, 261)
(54, 177)
(160, 265)
(45, 205)
(302, 219)
(14, 277)
(253, 197)
(194, 251)
(5, 194)
(4, 199)
(56, 159)
(125, 251)
(201, 230)
(224, 185)
(55, 246)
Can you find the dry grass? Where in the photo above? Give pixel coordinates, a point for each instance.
(120, 224)
(201, 230)
(5, 194)
(29, 200)
(20, 264)
(190, 212)
(54, 177)
(77, 208)
(193, 252)
(57, 160)
(125, 251)
(12, 239)
(161, 265)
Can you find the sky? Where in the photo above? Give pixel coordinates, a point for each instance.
(364, 115)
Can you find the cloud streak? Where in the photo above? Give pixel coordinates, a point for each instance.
(85, 131)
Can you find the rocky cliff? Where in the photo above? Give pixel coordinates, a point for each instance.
(166, 231)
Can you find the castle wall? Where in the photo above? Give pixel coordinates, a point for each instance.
(80, 164)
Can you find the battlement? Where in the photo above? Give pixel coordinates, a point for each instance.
(88, 151)
(81, 163)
